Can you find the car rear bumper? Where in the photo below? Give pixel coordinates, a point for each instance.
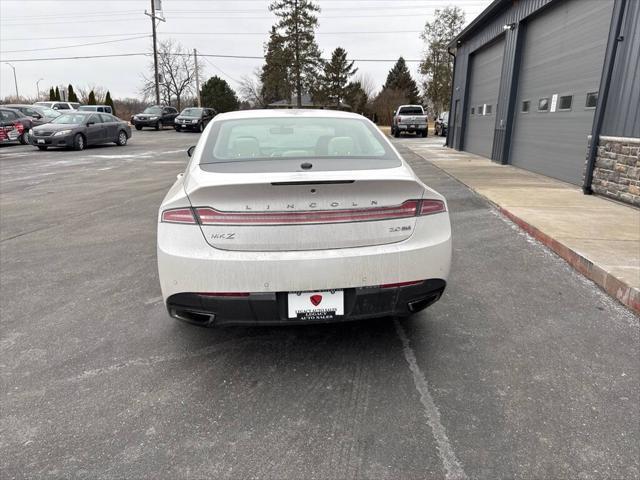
(409, 128)
(187, 265)
(270, 308)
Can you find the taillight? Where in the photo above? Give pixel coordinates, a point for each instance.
(210, 216)
(430, 207)
(410, 208)
(179, 215)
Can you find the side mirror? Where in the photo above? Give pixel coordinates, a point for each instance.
(179, 176)
(90, 123)
(55, 107)
(37, 116)
(190, 150)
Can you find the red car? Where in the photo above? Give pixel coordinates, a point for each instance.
(14, 126)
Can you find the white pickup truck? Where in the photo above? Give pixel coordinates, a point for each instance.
(409, 118)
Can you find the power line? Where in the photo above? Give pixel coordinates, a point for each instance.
(75, 46)
(384, 32)
(220, 70)
(210, 55)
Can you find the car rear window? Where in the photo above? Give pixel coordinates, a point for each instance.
(281, 143)
(268, 138)
(410, 111)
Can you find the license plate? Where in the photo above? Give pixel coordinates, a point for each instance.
(320, 305)
(41, 140)
(413, 126)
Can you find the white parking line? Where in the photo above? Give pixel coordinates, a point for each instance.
(452, 467)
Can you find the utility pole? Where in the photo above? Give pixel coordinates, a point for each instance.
(155, 48)
(195, 57)
(15, 79)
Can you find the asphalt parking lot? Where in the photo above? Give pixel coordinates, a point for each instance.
(523, 369)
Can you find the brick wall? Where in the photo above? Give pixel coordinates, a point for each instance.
(617, 170)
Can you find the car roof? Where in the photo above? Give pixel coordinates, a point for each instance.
(16, 105)
(285, 113)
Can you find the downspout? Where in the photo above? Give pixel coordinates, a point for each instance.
(453, 89)
(605, 83)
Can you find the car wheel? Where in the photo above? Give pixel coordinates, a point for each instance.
(42, 147)
(201, 127)
(78, 142)
(159, 125)
(138, 127)
(425, 134)
(122, 138)
(177, 128)
(396, 133)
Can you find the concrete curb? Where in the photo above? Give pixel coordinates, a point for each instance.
(625, 294)
(612, 286)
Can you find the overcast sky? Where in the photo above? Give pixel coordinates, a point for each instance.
(33, 29)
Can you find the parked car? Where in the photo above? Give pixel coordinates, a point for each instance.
(409, 119)
(20, 121)
(156, 116)
(442, 124)
(38, 114)
(10, 130)
(194, 119)
(57, 105)
(78, 129)
(96, 108)
(299, 216)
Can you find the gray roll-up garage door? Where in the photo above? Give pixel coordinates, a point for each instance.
(484, 83)
(563, 55)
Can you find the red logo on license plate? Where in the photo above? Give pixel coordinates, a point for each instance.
(316, 299)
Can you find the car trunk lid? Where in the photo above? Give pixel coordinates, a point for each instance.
(306, 211)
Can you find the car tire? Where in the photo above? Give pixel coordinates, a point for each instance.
(42, 147)
(121, 141)
(425, 134)
(178, 129)
(78, 142)
(201, 127)
(159, 125)
(396, 133)
(138, 127)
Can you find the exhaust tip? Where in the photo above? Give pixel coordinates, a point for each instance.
(193, 317)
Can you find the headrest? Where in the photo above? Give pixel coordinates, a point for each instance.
(341, 146)
(246, 147)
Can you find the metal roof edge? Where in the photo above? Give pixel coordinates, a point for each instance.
(477, 21)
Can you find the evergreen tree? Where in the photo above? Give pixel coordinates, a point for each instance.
(71, 95)
(57, 95)
(92, 98)
(400, 79)
(297, 22)
(335, 77)
(109, 101)
(52, 94)
(275, 75)
(217, 94)
(437, 64)
(356, 97)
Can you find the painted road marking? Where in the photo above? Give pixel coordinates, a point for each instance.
(452, 467)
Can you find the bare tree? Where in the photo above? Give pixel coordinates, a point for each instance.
(176, 66)
(367, 83)
(386, 102)
(98, 90)
(251, 89)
